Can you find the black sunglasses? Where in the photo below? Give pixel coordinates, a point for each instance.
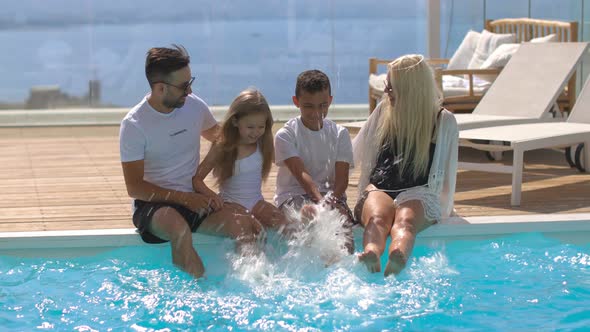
(183, 87)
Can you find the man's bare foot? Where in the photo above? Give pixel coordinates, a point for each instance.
(396, 263)
(371, 261)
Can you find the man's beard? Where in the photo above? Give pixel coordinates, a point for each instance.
(175, 103)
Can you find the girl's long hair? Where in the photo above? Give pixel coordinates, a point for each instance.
(410, 119)
(248, 102)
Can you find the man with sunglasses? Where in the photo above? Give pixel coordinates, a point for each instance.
(160, 152)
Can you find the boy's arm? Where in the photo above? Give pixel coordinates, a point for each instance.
(295, 165)
(341, 178)
(286, 154)
(344, 161)
(138, 188)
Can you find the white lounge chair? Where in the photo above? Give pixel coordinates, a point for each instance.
(528, 87)
(532, 136)
(525, 90)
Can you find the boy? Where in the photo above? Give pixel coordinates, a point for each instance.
(313, 154)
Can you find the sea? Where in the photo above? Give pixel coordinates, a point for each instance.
(233, 44)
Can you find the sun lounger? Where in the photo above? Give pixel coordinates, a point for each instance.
(526, 89)
(532, 136)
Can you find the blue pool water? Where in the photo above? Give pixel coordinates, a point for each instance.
(522, 282)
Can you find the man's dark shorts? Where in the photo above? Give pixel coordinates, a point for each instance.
(144, 212)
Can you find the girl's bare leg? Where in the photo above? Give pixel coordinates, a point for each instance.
(234, 221)
(377, 217)
(409, 221)
(269, 215)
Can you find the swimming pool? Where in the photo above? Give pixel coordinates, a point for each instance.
(514, 275)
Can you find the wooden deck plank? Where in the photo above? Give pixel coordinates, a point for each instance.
(70, 178)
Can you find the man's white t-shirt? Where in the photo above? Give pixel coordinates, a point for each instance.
(169, 144)
(319, 150)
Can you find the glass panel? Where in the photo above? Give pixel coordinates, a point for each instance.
(496, 9)
(61, 50)
(457, 18)
(564, 10)
(381, 29)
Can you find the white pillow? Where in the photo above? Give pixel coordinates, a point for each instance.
(377, 81)
(499, 58)
(463, 54)
(487, 43)
(546, 39)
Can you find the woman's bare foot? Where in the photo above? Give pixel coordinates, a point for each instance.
(371, 261)
(396, 263)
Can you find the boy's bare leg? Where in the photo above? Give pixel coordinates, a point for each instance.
(377, 217)
(168, 224)
(409, 221)
(235, 222)
(342, 207)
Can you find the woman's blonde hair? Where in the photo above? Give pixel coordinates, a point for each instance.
(410, 119)
(249, 101)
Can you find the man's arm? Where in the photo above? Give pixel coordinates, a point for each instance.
(340, 178)
(295, 165)
(138, 188)
(212, 133)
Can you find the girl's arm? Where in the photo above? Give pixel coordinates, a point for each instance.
(203, 170)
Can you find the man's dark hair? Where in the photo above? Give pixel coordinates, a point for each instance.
(162, 61)
(312, 81)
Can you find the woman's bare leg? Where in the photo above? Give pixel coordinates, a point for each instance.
(409, 221)
(377, 217)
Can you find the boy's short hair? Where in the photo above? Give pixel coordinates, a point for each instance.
(312, 81)
(162, 61)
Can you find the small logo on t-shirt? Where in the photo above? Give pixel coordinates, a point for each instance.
(177, 133)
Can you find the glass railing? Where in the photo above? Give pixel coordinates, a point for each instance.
(459, 16)
(96, 57)
(72, 53)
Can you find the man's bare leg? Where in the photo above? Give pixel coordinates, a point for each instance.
(168, 224)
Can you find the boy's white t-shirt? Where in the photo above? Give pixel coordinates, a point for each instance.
(319, 150)
(169, 144)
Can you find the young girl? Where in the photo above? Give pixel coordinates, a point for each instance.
(241, 159)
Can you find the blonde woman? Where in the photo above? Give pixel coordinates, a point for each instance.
(407, 152)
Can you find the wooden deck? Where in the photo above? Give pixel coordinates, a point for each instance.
(70, 178)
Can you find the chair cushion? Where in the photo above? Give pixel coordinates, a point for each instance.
(487, 43)
(452, 86)
(500, 56)
(552, 38)
(463, 54)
